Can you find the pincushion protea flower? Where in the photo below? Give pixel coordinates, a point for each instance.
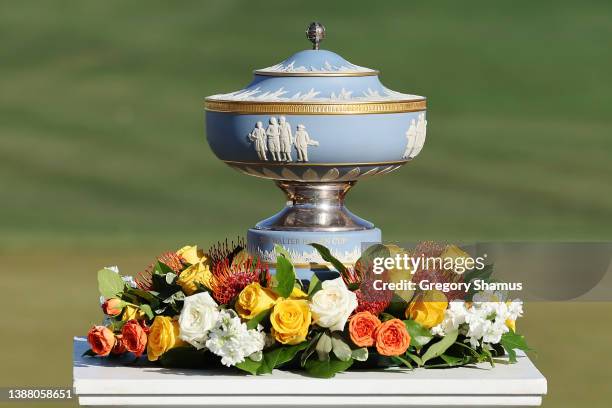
(368, 298)
(224, 250)
(229, 277)
(170, 259)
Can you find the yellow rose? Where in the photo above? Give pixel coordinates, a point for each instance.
(190, 277)
(461, 260)
(298, 293)
(253, 300)
(290, 320)
(164, 335)
(428, 309)
(191, 254)
(132, 312)
(397, 275)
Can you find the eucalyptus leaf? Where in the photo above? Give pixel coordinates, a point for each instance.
(110, 283)
(340, 348)
(147, 310)
(323, 347)
(170, 277)
(436, 349)
(310, 349)
(360, 354)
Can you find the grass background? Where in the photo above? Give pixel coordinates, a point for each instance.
(103, 158)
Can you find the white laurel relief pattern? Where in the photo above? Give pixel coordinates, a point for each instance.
(312, 95)
(310, 256)
(326, 68)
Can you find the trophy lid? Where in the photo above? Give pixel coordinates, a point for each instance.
(313, 77)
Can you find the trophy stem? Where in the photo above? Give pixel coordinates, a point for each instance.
(315, 207)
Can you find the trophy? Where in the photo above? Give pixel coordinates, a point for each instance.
(315, 124)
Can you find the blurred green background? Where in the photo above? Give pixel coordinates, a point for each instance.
(103, 157)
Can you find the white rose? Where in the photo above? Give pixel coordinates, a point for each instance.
(199, 315)
(333, 304)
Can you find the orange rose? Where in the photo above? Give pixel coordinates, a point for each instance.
(392, 338)
(134, 337)
(112, 307)
(119, 347)
(362, 328)
(101, 340)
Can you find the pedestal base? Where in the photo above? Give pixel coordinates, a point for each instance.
(100, 381)
(344, 245)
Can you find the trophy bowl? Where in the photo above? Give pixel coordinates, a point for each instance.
(315, 124)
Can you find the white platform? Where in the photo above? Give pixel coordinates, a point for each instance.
(101, 382)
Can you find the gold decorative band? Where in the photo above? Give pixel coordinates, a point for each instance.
(360, 108)
(317, 73)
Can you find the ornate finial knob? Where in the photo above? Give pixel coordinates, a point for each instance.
(315, 33)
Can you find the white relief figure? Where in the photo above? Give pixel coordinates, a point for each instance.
(302, 141)
(411, 135)
(421, 130)
(258, 137)
(273, 134)
(286, 139)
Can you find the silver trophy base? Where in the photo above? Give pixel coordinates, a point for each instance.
(315, 207)
(315, 213)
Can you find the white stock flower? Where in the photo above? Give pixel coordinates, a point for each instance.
(232, 341)
(333, 304)
(484, 321)
(200, 314)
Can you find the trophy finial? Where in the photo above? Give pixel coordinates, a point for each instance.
(315, 33)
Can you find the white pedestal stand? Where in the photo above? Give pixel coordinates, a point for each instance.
(102, 382)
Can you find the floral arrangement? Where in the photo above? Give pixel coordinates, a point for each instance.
(224, 308)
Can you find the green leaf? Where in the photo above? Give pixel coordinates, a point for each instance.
(328, 257)
(419, 335)
(88, 353)
(452, 360)
(360, 354)
(250, 366)
(160, 268)
(285, 276)
(281, 250)
(482, 274)
(415, 358)
(314, 286)
(147, 310)
(252, 324)
(188, 357)
(511, 341)
(279, 356)
(323, 347)
(366, 260)
(110, 283)
(402, 360)
(340, 348)
(437, 349)
(328, 368)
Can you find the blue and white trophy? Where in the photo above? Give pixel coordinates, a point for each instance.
(315, 124)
